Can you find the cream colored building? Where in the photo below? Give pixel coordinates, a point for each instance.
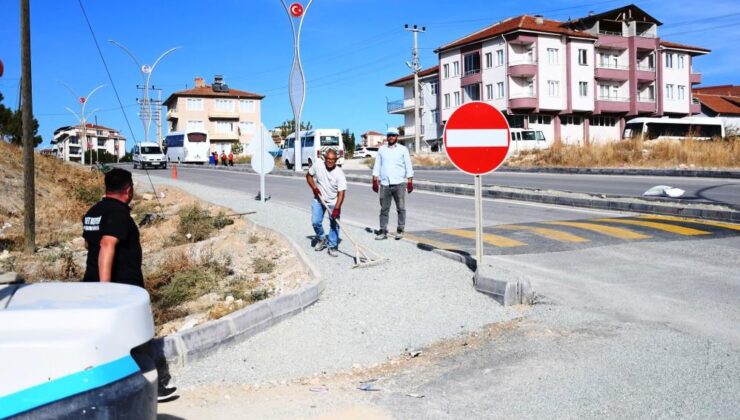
(228, 115)
(67, 145)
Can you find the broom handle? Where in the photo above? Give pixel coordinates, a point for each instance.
(326, 206)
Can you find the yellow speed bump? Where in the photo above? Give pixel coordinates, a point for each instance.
(731, 226)
(604, 230)
(679, 230)
(488, 238)
(547, 233)
(431, 242)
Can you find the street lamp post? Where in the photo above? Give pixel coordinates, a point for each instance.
(145, 112)
(81, 116)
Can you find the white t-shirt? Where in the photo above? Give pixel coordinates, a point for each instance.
(328, 182)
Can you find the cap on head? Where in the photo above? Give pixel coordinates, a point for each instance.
(392, 131)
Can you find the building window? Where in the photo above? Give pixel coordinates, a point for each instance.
(489, 92)
(224, 105)
(446, 71)
(196, 125)
(224, 127)
(489, 60)
(246, 105)
(472, 63)
(472, 92)
(651, 92)
(246, 127)
(583, 57)
(681, 93)
(539, 119)
(457, 98)
(669, 60)
(435, 116)
(194, 104)
(553, 88)
(447, 100)
(571, 120)
(499, 57)
(681, 61)
(433, 86)
(500, 90)
(669, 91)
(583, 89)
(455, 68)
(552, 56)
(603, 121)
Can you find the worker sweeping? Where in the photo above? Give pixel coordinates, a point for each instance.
(328, 183)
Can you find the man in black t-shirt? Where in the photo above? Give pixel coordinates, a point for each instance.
(111, 236)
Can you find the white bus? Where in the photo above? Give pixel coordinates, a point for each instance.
(188, 146)
(526, 139)
(314, 143)
(699, 128)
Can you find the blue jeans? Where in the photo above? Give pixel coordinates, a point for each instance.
(317, 219)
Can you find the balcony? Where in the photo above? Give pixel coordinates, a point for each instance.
(645, 74)
(520, 67)
(612, 40)
(223, 115)
(523, 101)
(612, 104)
(230, 136)
(647, 42)
(612, 72)
(695, 78)
(400, 106)
(521, 39)
(646, 105)
(408, 133)
(172, 114)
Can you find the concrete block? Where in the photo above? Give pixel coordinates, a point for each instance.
(248, 317)
(285, 304)
(309, 295)
(205, 336)
(513, 292)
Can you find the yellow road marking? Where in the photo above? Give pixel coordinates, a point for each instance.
(679, 230)
(489, 238)
(547, 233)
(605, 230)
(697, 221)
(432, 242)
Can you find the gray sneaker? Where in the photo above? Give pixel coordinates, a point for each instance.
(381, 235)
(333, 252)
(399, 234)
(321, 245)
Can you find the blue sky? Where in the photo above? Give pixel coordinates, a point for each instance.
(350, 49)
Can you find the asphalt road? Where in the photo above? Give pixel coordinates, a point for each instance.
(710, 190)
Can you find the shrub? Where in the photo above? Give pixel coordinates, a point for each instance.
(89, 194)
(221, 221)
(263, 265)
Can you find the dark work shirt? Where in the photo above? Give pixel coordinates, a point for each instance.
(111, 217)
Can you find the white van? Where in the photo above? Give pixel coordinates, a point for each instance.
(148, 154)
(526, 139)
(314, 143)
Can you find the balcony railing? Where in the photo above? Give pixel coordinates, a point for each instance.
(645, 68)
(614, 98)
(611, 66)
(614, 33)
(517, 95)
(471, 71)
(521, 60)
(402, 104)
(645, 99)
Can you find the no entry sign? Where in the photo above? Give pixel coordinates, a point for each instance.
(476, 138)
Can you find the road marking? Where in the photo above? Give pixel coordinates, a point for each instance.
(489, 238)
(547, 233)
(731, 226)
(432, 242)
(604, 230)
(679, 230)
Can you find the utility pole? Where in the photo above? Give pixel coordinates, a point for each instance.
(415, 67)
(29, 187)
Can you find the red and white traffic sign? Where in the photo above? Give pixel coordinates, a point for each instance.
(476, 138)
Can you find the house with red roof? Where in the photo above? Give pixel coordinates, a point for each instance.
(721, 102)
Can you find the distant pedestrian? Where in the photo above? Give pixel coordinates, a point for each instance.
(114, 251)
(392, 179)
(223, 158)
(327, 181)
(231, 158)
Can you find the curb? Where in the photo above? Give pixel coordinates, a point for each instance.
(184, 347)
(690, 173)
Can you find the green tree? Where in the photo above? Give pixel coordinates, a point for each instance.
(349, 143)
(11, 126)
(288, 127)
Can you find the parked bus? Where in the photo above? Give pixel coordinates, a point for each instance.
(698, 128)
(314, 143)
(187, 147)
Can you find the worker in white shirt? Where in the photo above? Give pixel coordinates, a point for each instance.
(392, 179)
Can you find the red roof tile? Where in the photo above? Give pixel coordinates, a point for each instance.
(423, 73)
(372, 133)
(719, 104)
(728, 90)
(668, 44)
(207, 92)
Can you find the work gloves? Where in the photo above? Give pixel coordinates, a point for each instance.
(335, 213)
(376, 186)
(410, 186)
(316, 192)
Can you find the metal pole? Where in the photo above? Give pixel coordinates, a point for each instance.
(29, 187)
(262, 164)
(478, 222)
(417, 103)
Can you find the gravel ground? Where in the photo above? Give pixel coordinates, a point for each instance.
(364, 315)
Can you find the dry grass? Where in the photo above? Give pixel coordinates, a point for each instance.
(636, 153)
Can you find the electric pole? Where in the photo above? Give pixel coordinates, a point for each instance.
(415, 67)
(29, 188)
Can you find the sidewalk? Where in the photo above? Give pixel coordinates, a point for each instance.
(364, 315)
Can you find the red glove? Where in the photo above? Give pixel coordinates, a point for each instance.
(316, 192)
(410, 186)
(335, 213)
(376, 187)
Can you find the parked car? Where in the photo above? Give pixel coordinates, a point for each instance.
(148, 154)
(366, 152)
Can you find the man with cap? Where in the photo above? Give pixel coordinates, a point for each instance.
(392, 179)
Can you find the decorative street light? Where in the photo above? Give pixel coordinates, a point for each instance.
(297, 83)
(145, 111)
(81, 116)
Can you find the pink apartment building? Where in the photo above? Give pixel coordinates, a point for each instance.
(578, 81)
(229, 116)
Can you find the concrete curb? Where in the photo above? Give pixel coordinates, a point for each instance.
(184, 347)
(690, 173)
